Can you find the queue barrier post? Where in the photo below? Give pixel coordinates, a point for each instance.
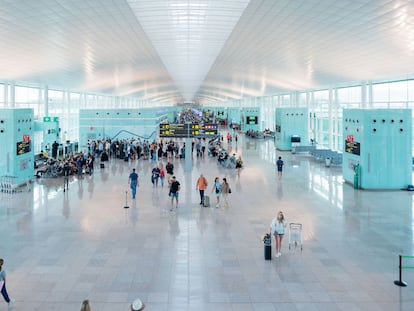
(400, 282)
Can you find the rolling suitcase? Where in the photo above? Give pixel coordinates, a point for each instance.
(126, 159)
(206, 201)
(267, 241)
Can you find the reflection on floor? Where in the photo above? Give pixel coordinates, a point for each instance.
(61, 248)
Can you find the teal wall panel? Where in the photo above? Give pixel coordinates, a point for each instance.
(288, 122)
(248, 114)
(382, 137)
(120, 123)
(16, 140)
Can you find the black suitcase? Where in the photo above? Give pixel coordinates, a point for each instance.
(267, 247)
(268, 252)
(102, 165)
(126, 159)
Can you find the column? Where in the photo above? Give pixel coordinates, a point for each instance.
(46, 100)
(6, 94)
(330, 121)
(12, 102)
(364, 95)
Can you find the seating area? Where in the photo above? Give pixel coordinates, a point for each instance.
(303, 149)
(324, 154)
(335, 158)
(39, 160)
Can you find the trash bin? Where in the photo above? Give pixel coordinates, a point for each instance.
(328, 161)
(267, 241)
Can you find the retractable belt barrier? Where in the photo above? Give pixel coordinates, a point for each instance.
(400, 282)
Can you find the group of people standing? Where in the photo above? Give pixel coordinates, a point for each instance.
(220, 189)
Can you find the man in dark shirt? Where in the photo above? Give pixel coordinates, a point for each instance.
(174, 190)
(133, 182)
(170, 171)
(55, 147)
(155, 175)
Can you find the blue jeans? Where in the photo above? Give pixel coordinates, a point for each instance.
(134, 188)
(4, 293)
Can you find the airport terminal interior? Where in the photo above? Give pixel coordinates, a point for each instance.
(304, 107)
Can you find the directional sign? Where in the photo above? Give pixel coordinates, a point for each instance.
(188, 130)
(174, 130)
(353, 147)
(23, 147)
(50, 119)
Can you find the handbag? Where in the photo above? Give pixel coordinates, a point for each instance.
(229, 190)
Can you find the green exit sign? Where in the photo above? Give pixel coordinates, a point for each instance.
(50, 119)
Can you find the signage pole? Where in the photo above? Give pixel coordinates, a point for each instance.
(188, 154)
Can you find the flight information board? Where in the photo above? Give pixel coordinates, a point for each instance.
(188, 130)
(174, 130)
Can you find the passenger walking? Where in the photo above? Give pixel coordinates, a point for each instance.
(277, 228)
(174, 190)
(133, 182)
(203, 146)
(217, 190)
(170, 172)
(279, 164)
(162, 175)
(201, 185)
(155, 175)
(85, 306)
(225, 190)
(3, 284)
(239, 164)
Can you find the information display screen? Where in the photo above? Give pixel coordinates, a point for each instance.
(252, 120)
(203, 130)
(353, 147)
(174, 130)
(185, 130)
(23, 147)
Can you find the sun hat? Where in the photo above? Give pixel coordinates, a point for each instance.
(137, 305)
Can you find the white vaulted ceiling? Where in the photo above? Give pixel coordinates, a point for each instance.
(204, 50)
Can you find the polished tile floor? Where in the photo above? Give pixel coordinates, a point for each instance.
(62, 247)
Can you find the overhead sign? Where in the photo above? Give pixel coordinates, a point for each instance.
(188, 130)
(174, 130)
(50, 119)
(203, 130)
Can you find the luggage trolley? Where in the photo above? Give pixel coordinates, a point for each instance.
(295, 235)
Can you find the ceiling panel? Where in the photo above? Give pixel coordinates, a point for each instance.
(92, 46)
(279, 46)
(188, 35)
(204, 50)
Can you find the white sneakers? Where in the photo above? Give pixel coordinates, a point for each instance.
(278, 255)
(10, 304)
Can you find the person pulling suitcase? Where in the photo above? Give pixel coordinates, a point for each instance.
(201, 186)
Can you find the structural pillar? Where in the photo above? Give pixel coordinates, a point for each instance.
(188, 166)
